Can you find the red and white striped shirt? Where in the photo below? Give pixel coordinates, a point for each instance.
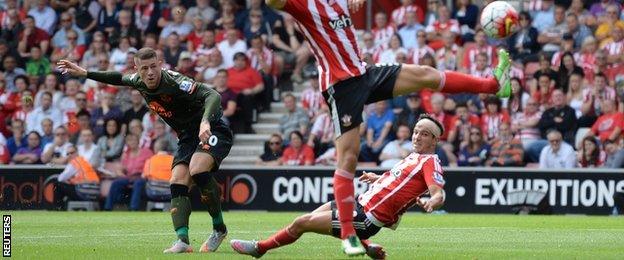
(446, 59)
(487, 72)
(470, 55)
(323, 127)
(527, 133)
(490, 124)
(451, 25)
(398, 189)
(254, 59)
(399, 17)
(417, 53)
(615, 48)
(382, 36)
(327, 26)
(312, 101)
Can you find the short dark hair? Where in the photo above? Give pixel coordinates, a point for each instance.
(83, 113)
(222, 71)
(434, 120)
(146, 53)
(240, 55)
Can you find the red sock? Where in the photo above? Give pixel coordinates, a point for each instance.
(281, 238)
(343, 194)
(455, 82)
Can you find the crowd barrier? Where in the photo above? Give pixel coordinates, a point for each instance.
(468, 190)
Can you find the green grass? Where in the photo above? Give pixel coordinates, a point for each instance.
(122, 235)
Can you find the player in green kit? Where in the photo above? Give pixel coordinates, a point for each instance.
(194, 111)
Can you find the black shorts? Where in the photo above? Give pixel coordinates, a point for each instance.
(364, 228)
(346, 99)
(218, 147)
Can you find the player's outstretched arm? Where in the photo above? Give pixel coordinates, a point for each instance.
(368, 177)
(277, 4)
(436, 201)
(108, 77)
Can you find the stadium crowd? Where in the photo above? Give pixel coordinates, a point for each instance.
(567, 106)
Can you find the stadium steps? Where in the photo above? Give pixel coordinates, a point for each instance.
(250, 139)
(266, 128)
(273, 118)
(247, 150)
(240, 160)
(278, 107)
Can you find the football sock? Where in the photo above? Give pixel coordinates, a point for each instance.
(211, 193)
(281, 238)
(343, 193)
(455, 82)
(180, 211)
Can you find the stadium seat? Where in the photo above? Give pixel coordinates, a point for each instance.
(156, 205)
(83, 205)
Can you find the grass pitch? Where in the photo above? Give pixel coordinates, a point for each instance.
(142, 235)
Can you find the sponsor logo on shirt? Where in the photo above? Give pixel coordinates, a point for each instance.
(342, 22)
(437, 177)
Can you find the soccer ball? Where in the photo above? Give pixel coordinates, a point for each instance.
(499, 19)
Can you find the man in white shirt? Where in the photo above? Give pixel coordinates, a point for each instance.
(398, 149)
(88, 149)
(45, 17)
(409, 30)
(56, 152)
(230, 46)
(558, 154)
(46, 110)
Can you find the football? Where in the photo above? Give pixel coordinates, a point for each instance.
(499, 19)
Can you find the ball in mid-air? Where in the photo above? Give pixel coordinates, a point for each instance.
(499, 19)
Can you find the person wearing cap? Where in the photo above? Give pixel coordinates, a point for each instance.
(311, 97)
(185, 65)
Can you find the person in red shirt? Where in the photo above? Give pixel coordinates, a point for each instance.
(247, 83)
(493, 118)
(390, 195)
(609, 125)
(32, 36)
(297, 153)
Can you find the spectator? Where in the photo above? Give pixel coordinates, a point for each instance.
(506, 150)
(46, 110)
(295, 118)
(46, 17)
(105, 112)
(609, 125)
(493, 118)
(272, 152)
(560, 117)
(566, 69)
(107, 18)
(255, 25)
(203, 10)
(543, 93)
(87, 149)
(261, 59)
(32, 36)
(297, 152)
(178, 25)
(395, 46)
(98, 46)
(247, 83)
(196, 37)
(467, 14)
(410, 116)
(154, 181)
(447, 54)
(213, 65)
(18, 138)
(5, 157)
(480, 67)
(432, 15)
(558, 154)
(615, 155)
(567, 45)
(11, 71)
(30, 153)
(378, 132)
(47, 135)
(550, 36)
(322, 132)
(409, 30)
(13, 101)
(578, 31)
(604, 30)
(111, 143)
(287, 44)
(421, 48)
(69, 106)
(127, 29)
(119, 56)
(58, 151)
(396, 150)
(442, 29)
(228, 98)
(231, 46)
(86, 12)
(586, 58)
(593, 98)
(311, 98)
(474, 150)
(575, 93)
(519, 97)
(83, 121)
(590, 155)
(185, 65)
(207, 44)
(523, 44)
(78, 181)
(481, 47)
(383, 30)
(525, 124)
(138, 109)
(26, 108)
(400, 15)
(133, 161)
(37, 65)
(544, 17)
(59, 40)
(461, 124)
(162, 131)
(136, 128)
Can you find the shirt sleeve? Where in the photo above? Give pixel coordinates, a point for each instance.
(433, 173)
(67, 173)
